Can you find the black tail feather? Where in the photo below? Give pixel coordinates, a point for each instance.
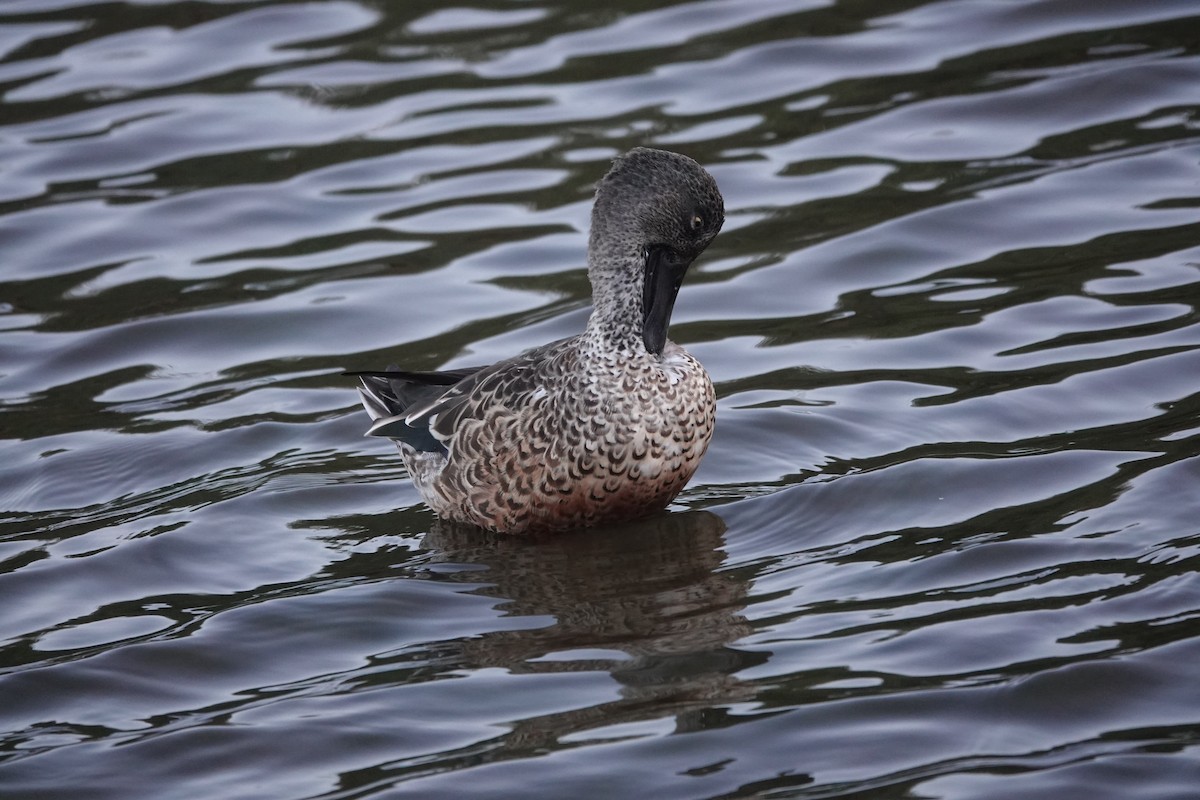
(392, 392)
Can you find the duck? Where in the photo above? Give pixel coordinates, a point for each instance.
(596, 429)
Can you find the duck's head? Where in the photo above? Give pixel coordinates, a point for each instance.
(655, 213)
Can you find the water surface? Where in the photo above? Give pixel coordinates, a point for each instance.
(945, 541)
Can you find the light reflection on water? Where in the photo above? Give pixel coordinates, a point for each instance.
(944, 543)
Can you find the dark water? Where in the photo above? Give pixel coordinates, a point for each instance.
(945, 543)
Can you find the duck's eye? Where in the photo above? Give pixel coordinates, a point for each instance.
(697, 222)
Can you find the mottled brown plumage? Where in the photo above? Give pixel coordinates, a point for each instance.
(602, 427)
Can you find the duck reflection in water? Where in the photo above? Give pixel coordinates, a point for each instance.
(652, 593)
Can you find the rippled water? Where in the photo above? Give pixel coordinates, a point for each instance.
(945, 542)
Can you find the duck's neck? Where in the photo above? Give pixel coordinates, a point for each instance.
(617, 316)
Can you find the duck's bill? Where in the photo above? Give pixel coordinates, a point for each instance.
(664, 274)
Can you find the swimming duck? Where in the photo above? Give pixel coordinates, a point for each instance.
(598, 428)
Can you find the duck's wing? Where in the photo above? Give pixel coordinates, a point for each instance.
(423, 409)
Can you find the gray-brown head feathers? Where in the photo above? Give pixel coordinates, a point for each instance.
(653, 197)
